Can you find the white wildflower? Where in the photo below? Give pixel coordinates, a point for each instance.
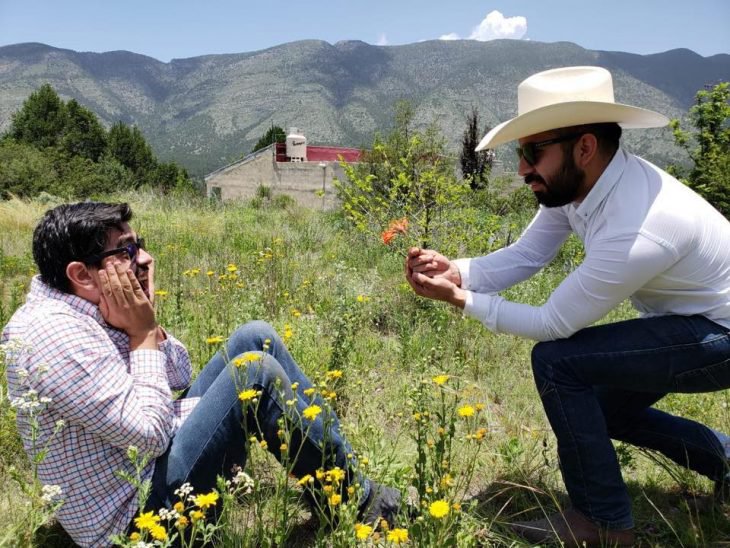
(184, 490)
(243, 481)
(50, 492)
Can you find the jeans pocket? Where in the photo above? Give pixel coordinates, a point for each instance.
(707, 379)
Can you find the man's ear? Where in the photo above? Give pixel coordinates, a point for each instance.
(81, 279)
(587, 149)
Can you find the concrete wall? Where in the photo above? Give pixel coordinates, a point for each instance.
(303, 181)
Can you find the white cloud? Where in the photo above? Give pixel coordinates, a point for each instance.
(495, 25)
(450, 36)
(382, 40)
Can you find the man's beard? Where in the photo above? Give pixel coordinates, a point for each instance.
(563, 186)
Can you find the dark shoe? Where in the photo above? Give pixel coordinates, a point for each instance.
(573, 529)
(383, 502)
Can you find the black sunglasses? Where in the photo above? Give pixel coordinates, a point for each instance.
(528, 151)
(131, 249)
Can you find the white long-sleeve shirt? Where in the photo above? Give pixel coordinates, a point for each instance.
(647, 237)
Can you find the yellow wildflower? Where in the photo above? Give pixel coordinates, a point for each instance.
(158, 532)
(479, 406)
(195, 515)
(161, 293)
(207, 500)
(336, 475)
(335, 499)
(210, 272)
(283, 447)
(146, 520)
(466, 411)
(294, 386)
(134, 537)
(363, 298)
(231, 267)
(398, 536)
(309, 391)
(362, 531)
(334, 374)
(216, 339)
(311, 412)
(179, 507)
(247, 395)
(320, 474)
(264, 444)
(305, 479)
(440, 379)
(182, 522)
(246, 358)
(439, 509)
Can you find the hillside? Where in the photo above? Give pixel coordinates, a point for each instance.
(207, 111)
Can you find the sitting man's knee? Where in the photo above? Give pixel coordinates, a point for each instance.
(256, 331)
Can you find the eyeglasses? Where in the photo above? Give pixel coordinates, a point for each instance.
(528, 151)
(131, 249)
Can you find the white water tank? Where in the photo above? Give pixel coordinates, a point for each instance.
(296, 145)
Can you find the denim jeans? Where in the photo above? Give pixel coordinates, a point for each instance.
(212, 440)
(600, 384)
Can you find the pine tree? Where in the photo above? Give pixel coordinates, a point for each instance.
(475, 166)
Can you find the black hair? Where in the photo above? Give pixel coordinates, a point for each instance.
(73, 232)
(608, 135)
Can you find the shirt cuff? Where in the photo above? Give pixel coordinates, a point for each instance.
(483, 307)
(463, 266)
(148, 364)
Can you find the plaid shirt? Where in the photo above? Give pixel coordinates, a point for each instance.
(108, 398)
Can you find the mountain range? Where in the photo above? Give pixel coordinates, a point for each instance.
(207, 111)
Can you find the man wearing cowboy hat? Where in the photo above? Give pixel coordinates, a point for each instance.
(647, 237)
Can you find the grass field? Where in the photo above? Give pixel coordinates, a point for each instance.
(340, 299)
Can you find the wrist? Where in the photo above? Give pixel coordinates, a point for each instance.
(145, 339)
(458, 298)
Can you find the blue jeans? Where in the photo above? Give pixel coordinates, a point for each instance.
(212, 440)
(600, 384)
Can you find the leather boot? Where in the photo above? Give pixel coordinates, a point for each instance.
(573, 529)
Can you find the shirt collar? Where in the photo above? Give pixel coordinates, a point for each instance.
(603, 186)
(40, 290)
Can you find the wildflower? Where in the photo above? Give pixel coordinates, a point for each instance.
(158, 532)
(363, 298)
(456, 506)
(216, 339)
(210, 272)
(50, 492)
(305, 479)
(398, 536)
(311, 412)
(179, 507)
(288, 333)
(184, 490)
(399, 226)
(134, 537)
(440, 380)
(320, 474)
(447, 481)
(294, 386)
(479, 407)
(182, 522)
(283, 447)
(264, 444)
(466, 411)
(205, 501)
(245, 358)
(362, 531)
(439, 509)
(387, 236)
(336, 475)
(231, 267)
(335, 499)
(196, 515)
(161, 293)
(295, 312)
(334, 374)
(244, 481)
(308, 391)
(146, 520)
(247, 395)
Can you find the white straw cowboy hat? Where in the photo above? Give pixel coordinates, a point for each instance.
(564, 97)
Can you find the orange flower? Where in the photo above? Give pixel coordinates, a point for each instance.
(398, 226)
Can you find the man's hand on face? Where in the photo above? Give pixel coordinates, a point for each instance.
(124, 305)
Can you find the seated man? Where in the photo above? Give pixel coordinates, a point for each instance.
(93, 351)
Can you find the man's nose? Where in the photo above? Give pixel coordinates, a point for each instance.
(524, 168)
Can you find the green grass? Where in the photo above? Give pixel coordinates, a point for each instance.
(305, 270)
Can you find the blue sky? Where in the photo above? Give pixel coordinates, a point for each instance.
(166, 29)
